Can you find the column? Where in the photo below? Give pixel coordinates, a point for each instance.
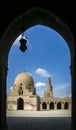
(55, 105)
(41, 106)
(73, 73)
(47, 105)
(3, 73)
(62, 105)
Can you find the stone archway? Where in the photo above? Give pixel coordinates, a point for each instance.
(30, 18)
(66, 105)
(59, 105)
(44, 106)
(20, 104)
(51, 105)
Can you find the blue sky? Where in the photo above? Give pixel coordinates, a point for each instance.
(47, 55)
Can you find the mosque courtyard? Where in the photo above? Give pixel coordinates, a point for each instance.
(39, 120)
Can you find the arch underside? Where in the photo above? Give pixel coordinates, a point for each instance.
(32, 17)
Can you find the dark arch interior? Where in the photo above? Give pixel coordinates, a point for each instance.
(20, 104)
(34, 17)
(58, 105)
(51, 105)
(66, 105)
(44, 105)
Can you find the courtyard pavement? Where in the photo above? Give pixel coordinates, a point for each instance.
(39, 120)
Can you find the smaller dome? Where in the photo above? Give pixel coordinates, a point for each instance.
(24, 78)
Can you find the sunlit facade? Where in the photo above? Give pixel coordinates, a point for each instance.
(23, 96)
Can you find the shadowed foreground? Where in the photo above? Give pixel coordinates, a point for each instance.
(39, 123)
(39, 120)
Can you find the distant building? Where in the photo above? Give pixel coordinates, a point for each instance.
(50, 102)
(23, 96)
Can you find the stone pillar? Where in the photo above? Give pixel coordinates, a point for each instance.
(47, 105)
(73, 73)
(62, 105)
(55, 105)
(41, 106)
(3, 73)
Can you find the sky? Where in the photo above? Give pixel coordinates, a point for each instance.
(47, 55)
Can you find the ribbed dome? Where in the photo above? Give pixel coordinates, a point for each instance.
(24, 78)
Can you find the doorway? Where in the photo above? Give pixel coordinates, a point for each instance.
(20, 104)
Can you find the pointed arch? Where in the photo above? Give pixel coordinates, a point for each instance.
(66, 105)
(20, 104)
(44, 105)
(33, 17)
(51, 105)
(59, 105)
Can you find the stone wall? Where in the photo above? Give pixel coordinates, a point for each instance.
(29, 102)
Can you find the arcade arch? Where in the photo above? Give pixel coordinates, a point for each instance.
(59, 105)
(44, 105)
(32, 17)
(51, 105)
(66, 105)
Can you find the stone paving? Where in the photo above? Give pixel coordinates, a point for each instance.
(39, 120)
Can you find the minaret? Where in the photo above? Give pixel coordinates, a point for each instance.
(49, 90)
(49, 86)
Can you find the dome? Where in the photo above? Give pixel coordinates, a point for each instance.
(24, 78)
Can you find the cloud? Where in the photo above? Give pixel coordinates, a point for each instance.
(11, 88)
(40, 84)
(42, 72)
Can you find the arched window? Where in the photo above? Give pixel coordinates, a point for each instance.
(20, 91)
